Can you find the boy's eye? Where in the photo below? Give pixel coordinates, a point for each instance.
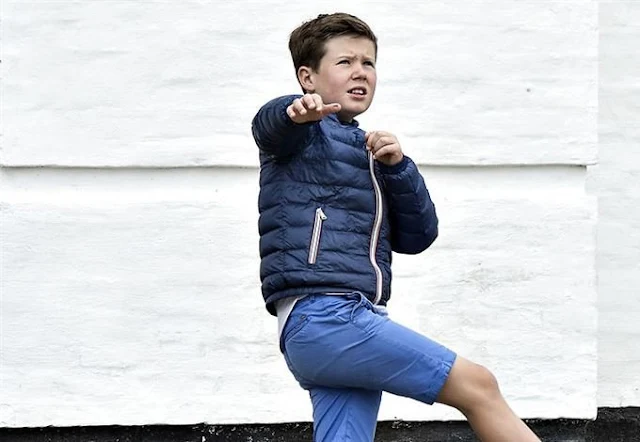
(370, 63)
(343, 61)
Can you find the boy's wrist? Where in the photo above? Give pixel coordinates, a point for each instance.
(396, 168)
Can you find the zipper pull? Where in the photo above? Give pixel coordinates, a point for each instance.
(315, 235)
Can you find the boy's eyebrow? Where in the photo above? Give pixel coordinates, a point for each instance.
(354, 56)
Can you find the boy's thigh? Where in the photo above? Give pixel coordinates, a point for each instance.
(350, 345)
(342, 414)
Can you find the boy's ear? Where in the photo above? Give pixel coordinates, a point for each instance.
(305, 78)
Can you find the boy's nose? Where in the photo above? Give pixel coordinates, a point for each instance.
(358, 71)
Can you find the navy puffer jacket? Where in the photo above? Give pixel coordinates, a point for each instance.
(330, 215)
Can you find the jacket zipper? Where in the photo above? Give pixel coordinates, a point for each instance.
(315, 236)
(375, 234)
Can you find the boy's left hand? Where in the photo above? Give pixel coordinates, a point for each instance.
(384, 146)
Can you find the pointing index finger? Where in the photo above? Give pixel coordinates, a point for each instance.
(331, 108)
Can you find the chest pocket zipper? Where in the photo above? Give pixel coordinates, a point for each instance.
(315, 236)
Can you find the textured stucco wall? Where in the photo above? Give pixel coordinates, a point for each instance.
(616, 180)
(130, 289)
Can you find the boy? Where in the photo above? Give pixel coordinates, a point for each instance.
(334, 202)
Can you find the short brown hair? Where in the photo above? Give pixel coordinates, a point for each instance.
(307, 42)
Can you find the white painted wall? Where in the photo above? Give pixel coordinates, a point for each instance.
(130, 289)
(616, 180)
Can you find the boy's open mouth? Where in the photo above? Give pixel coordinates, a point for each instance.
(360, 91)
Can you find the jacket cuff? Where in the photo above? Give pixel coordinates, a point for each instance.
(396, 168)
(283, 112)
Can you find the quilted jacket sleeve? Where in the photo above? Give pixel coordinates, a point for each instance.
(275, 133)
(413, 220)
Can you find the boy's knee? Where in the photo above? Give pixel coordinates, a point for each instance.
(484, 389)
(470, 386)
(486, 383)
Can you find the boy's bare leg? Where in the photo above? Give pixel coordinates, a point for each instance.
(474, 391)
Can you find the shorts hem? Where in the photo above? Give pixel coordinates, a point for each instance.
(432, 396)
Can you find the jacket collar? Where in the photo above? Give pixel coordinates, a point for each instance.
(334, 117)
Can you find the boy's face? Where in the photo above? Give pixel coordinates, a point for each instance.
(346, 75)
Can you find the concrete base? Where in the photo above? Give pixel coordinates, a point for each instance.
(612, 425)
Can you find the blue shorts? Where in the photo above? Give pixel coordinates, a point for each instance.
(345, 351)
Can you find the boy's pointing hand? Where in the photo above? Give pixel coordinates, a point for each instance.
(310, 108)
(385, 147)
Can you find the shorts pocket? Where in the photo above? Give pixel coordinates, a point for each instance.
(295, 324)
(342, 307)
(358, 311)
(366, 319)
